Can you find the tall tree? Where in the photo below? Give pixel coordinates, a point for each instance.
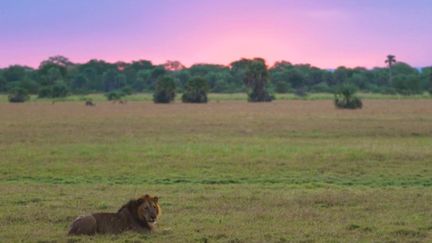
(254, 74)
(391, 59)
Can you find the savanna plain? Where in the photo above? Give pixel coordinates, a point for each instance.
(227, 171)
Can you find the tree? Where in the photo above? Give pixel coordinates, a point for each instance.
(250, 75)
(45, 92)
(141, 81)
(18, 95)
(30, 85)
(173, 66)
(345, 97)
(406, 79)
(3, 82)
(196, 91)
(391, 59)
(165, 90)
(156, 73)
(57, 90)
(113, 80)
(79, 82)
(254, 74)
(58, 61)
(407, 84)
(430, 83)
(16, 73)
(341, 75)
(296, 79)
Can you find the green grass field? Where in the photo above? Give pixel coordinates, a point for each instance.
(227, 171)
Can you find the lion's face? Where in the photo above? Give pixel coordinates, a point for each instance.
(149, 209)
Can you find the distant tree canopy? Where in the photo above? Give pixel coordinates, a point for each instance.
(58, 76)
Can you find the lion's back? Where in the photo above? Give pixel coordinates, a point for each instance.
(101, 223)
(83, 225)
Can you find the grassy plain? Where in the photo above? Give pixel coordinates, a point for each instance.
(217, 97)
(227, 171)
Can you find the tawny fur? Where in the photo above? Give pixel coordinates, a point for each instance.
(137, 215)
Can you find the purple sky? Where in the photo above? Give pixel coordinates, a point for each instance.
(325, 33)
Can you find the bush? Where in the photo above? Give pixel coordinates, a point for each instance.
(345, 97)
(19, 95)
(115, 95)
(45, 92)
(164, 90)
(196, 91)
(58, 90)
(258, 95)
(352, 103)
(127, 90)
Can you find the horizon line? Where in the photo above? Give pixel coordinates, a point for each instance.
(208, 63)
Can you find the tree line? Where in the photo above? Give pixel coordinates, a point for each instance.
(58, 77)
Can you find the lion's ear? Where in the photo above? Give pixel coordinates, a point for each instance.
(156, 199)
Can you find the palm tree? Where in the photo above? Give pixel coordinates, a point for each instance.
(391, 59)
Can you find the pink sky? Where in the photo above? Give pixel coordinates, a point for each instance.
(324, 33)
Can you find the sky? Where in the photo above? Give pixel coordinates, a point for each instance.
(324, 33)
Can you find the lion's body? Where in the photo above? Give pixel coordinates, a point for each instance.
(137, 215)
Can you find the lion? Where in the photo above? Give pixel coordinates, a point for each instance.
(138, 215)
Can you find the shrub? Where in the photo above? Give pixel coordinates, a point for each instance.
(127, 90)
(196, 91)
(345, 97)
(18, 95)
(115, 95)
(164, 90)
(260, 96)
(45, 92)
(59, 90)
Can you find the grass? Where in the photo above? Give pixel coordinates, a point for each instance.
(228, 171)
(217, 97)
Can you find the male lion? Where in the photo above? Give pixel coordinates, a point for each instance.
(137, 215)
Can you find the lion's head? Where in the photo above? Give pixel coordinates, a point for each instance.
(148, 209)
